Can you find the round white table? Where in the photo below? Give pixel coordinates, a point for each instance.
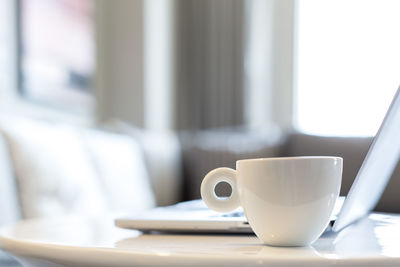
(72, 241)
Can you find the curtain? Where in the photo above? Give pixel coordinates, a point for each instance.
(209, 63)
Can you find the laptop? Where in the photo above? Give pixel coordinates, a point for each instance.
(364, 194)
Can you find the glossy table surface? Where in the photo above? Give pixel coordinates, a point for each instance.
(74, 241)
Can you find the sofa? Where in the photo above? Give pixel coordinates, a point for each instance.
(50, 169)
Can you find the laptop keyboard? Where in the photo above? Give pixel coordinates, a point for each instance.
(235, 214)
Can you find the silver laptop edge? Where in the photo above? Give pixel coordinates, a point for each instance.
(376, 169)
(194, 216)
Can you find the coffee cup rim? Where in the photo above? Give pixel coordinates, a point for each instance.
(289, 158)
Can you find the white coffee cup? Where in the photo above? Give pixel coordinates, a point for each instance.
(287, 201)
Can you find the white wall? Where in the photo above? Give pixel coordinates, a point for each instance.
(283, 63)
(135, 62)
(269, 63)
(259, 44)
(119, 81)
(159, 67)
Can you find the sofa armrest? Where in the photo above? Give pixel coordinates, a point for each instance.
(9, 202)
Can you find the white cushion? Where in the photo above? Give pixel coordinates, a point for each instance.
(162, 153)
(121, 168)
(53, 172)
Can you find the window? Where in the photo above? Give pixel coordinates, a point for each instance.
(3, 44)
(57, 52)
(348, 64)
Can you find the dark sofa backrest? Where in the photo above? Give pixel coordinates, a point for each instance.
(353, 151)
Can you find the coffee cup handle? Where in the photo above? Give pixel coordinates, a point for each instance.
(210, 181)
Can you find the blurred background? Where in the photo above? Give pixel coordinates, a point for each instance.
(193, 84)
(178, 65)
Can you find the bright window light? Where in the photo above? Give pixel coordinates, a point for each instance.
(3, 44)
(348, 64)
